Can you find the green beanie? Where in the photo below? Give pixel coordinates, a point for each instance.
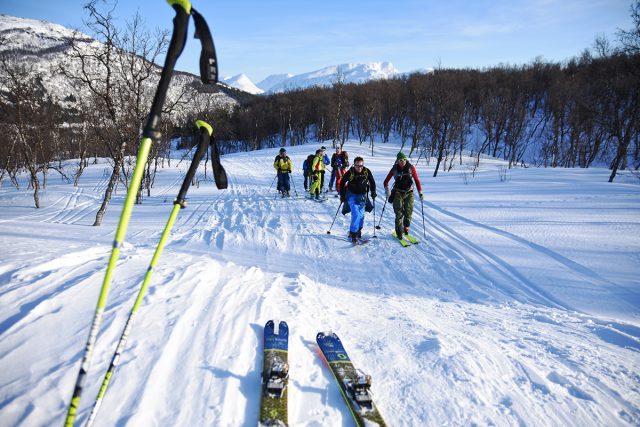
(401, 156)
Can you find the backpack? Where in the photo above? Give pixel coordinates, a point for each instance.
(310, 158)
(403, 181)
(359, 184)
(345, 159)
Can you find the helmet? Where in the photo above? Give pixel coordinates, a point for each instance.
(401, 156)
(282, 150)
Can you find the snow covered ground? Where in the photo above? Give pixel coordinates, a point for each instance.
(520, 307)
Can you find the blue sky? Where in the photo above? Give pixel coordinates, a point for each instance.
(260, 38)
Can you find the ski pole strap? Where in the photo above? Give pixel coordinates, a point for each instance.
(205, 132)
(208, 60)
(219, 174)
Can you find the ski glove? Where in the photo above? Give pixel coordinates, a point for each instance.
(373, 195)
(387, 190)
(421, 196)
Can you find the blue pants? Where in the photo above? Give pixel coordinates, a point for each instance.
(283, 181)
(356, 203)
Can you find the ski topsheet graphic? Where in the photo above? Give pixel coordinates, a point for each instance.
(354, 384)
(275, 375)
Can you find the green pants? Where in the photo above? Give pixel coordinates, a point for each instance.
(316, 182)
(403, 207)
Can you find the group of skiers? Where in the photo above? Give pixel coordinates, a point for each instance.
(355, 185)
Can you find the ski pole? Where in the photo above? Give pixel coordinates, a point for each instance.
(374, 219)
(424, 230)
(294, 184)
(179, 203)
(334, 218)
(208, 68)
(383, 208)
(274, 180)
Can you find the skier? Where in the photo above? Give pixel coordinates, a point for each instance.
(284, 166)
(326, 162)
(306, 171)
(316, 173)
(401, 195)
(335, 167)
(344, 160)
(356, 184)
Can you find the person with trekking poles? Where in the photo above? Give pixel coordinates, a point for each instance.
(339, 165)
(401, 195)
(316, 173)
(284, 166)
(356, 185)
(306, 171)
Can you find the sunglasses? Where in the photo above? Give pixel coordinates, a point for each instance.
(358, 166)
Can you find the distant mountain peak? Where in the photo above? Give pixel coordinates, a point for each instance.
(242, 82)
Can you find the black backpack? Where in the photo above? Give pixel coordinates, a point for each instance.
(345, 159)
(310, 158)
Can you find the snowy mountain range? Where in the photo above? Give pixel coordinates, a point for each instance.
(43, 46)
(348, 73)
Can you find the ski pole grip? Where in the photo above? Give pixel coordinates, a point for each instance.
(205, 131)
(184, 4)
(176, 45)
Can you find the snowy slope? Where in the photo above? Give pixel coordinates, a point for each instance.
(520, 307)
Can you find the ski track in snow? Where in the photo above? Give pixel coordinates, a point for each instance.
(475, 325)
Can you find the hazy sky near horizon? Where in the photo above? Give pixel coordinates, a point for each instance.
(260, 38)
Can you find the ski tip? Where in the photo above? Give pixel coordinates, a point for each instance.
(278, 327)
(283, 328)
(325, 334)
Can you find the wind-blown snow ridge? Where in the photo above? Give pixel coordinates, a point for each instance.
(521, 305)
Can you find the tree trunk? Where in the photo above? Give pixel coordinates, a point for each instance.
(107, 194)
(619, 160)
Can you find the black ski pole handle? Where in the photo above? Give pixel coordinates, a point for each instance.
(176, 45)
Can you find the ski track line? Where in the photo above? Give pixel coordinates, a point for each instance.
(39, 212)
(75, 212)
(71, 202)
(571, 265)
(102, 183)
(167, 188)
(473, 251)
